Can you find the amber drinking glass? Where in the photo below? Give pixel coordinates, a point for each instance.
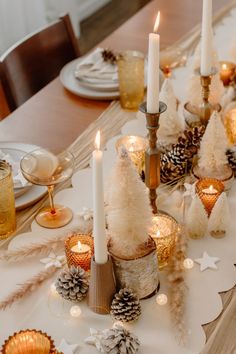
(7, 201)
(42, 167)
(131, 79)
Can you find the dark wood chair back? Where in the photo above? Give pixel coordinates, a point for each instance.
(36, 60)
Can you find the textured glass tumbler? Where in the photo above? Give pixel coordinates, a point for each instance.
(131, 79)
(7, 201)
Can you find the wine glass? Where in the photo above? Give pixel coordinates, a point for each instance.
(171, 58)
(42, 167)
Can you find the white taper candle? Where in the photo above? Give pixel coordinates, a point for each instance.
(206, 39)
(153, 70)
(99, 231)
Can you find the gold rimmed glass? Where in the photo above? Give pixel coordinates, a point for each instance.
(171, 58)
(42, 167)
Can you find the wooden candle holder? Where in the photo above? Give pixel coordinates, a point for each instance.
(102, 287)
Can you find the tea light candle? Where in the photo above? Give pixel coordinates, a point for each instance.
(188, 263)
(75, 311)
(161, 299)
(136, 147)
(209, 190)
(164, 230)
(227, 72)
(79, 250)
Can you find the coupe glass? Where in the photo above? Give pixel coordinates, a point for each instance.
(171, 58)
(42, 167)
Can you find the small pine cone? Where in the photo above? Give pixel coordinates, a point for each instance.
(109, 56)
(171, 172)
(125, 306)
(72, 284)
(119, 340)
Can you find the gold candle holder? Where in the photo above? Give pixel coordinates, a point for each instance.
(79, 250)
(164, 231)
(152, 154)
(136, 147)
(209, 190)
(29, 341)
(227, 72)
(206, 107)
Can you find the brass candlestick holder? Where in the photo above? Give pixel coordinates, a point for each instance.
(206, 107)
(152, 155)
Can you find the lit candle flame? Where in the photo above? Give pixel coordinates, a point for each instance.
(79, 246)
(157, 22)
(211, 188)
(97, 140)
(224, 66)
(158, 233)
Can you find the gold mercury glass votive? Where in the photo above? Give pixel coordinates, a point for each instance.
(29, 341)
(209, 190)
(227, 72)
(131, 79)
(164, 231)
(136, 147)
(230, 125)
(79, 250)
(7, 201)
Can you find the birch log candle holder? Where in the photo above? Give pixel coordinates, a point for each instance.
(102, 287)
(152, 155)
(139, 272)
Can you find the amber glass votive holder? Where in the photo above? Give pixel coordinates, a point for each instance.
(79, 257)
(29, 341)
(227, 72)
(164, 231)
(209, 190)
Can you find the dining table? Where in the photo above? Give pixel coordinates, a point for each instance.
(54, 117)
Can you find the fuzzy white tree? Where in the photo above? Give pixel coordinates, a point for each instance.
(220, 217)
(193, 93)
(128, 213)
(212, 152)
(197, 220)
(171, 123)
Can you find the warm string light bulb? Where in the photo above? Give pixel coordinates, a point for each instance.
(161, 299)
(75, 311)
(188, 263)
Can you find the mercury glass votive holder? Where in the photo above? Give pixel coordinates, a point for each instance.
(79, 250)
(209, 190)
(29, 341)
(227, 72)
(136, 147)
(164, 231)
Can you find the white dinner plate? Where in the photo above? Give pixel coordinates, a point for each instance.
(69, 81)
(34, 193)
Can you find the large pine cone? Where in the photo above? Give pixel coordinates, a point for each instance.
(125, 306)
(119, 340)
(231, 155)
(72, 284)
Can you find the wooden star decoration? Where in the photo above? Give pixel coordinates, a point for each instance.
(207, 262)
(67, 348)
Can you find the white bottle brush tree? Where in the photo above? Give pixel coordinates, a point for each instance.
(197, 220)
(212, 153)
(171, 123)
(128, 213)
(220, 217)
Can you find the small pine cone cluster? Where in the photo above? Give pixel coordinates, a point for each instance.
(109, 56)
(119, 340)
(125, 306)
(231, 155)
(73, 284)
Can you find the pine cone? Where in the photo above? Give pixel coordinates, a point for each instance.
(119, 340)
(125, 306)
(72, 284)
(231, 155)
(109, 56)
(171, 172)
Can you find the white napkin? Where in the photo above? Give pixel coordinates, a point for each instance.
(94, 69)
(18, 179)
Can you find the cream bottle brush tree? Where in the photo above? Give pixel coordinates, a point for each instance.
(171, 123)
(212, 153)
(129, 212)
(197, 220)
(220, 217)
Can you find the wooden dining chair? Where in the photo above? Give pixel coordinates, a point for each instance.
(33, 62)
